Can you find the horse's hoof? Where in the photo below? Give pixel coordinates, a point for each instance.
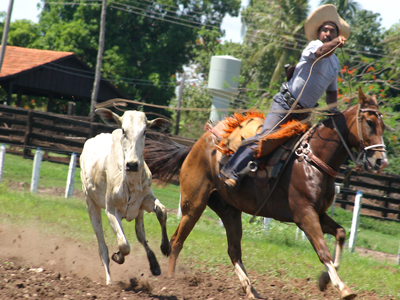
(118, 258)
(347, 294)
(110, 283)
(323, 281)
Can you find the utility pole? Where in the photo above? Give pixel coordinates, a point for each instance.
(5, 33)
(97, 77)
(178, 112)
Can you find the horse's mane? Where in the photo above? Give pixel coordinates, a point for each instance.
(232, 122)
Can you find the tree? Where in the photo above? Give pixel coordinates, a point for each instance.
(146, 42)
(278, 26)
(346, 8)
(22, 33)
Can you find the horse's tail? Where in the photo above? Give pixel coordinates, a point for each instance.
(164, 157)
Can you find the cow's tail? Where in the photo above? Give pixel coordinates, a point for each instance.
(164, 157)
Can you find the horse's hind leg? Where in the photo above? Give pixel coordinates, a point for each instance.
(309, 222)
(232, 219)
(331, 227)
(140, 234)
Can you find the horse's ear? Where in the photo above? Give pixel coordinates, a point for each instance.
(361, 96)
(364, 100)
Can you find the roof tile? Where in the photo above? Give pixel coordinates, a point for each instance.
(18, 59)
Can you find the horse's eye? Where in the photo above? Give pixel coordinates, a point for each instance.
(370, 123)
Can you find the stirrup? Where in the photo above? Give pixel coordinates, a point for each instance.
(252, 166)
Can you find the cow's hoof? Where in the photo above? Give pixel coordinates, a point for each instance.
(324, 280)
(154, 266)
(166, 249)
(118, 258)
(347, 294)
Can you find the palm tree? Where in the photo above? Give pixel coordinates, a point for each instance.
(345, 8)
(278, 24)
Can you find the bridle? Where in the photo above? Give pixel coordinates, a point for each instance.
(362, 156)
(305, 151)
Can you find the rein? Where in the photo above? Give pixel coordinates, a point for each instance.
(305, 150)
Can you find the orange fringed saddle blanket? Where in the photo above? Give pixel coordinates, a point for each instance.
(233, 130)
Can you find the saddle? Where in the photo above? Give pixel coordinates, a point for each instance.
(232, 131)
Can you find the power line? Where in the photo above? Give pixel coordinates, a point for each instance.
(165, 20)
(270, 31)
(163, 17)
(177, 8)
(157, 13)
(107, 76)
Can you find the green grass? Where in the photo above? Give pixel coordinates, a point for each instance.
(276, 253)
(18, 169)
(372, 234)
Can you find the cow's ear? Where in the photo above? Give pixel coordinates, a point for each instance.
(110, 118)
(159, 124)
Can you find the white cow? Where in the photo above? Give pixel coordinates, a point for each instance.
(116, 178)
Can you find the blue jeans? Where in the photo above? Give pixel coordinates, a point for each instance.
(245, 154)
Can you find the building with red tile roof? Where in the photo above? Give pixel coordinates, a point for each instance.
(52, 74)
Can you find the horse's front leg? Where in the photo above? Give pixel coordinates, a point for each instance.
(193, 203)
(308, 220)
(232, 220)
(329, 226)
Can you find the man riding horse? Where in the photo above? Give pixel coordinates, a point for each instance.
(316, 73)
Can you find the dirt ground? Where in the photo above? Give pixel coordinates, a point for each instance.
(35, 265)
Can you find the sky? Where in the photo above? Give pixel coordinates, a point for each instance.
(389, 10)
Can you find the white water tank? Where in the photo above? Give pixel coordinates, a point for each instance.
(223, 82)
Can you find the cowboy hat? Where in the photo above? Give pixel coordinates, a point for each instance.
(325, 13)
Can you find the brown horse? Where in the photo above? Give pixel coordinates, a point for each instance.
(303, 192)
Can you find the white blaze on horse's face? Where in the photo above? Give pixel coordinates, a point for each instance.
(376, 158)
(133, 126)
(371, 128)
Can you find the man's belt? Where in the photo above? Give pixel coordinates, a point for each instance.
(287, 96)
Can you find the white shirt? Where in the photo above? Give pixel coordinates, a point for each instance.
(323, 76)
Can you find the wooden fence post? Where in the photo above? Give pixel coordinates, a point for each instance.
(37, 162)
(2, 156)
(92, 130)
(28, 131)
(355, 221)
(69, 190)
(346, 186)
(387, 194)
